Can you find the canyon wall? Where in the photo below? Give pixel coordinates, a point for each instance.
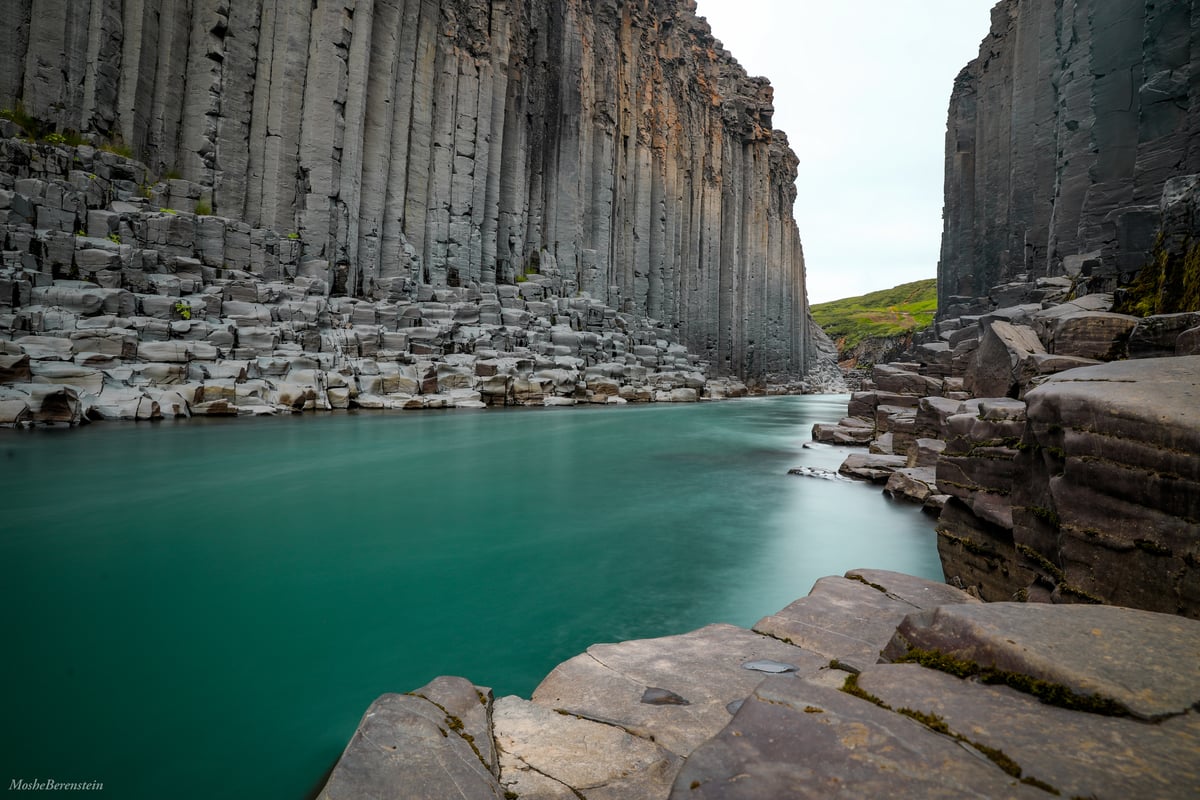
(1060, 138)
(613, 145)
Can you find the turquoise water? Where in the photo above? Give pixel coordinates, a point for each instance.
(206, 608)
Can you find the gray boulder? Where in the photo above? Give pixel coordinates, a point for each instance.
(1092, 334)
(998, 363)
(407, 746)
(793, 739)
(545, 754)
(1120, 660)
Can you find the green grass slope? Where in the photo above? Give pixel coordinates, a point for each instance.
(886, 313)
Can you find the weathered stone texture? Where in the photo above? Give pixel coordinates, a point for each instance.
(420, 746)
(613, 146)
(1109, 505)
(1061, 137)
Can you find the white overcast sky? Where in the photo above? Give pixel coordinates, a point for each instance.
(861, 88)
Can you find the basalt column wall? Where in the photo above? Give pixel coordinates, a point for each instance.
(615, 144)
(1061, 137)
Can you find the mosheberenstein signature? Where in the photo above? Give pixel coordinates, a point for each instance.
(50, 785)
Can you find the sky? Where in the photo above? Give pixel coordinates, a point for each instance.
(861, 88)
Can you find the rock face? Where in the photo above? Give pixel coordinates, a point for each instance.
(1072, 476)
(1110, 502)
(874, 685)
(1062, 136)
(615, 147)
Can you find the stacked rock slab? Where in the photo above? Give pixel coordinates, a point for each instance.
(1058, 440)
(614, 146)
(1061, 138)
(856, 689)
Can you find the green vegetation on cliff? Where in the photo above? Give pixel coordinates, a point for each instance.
(1170, 283)
(887, 313)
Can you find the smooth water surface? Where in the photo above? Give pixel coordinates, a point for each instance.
(206, 608)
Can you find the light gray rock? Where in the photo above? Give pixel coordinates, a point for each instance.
(704, 668)
(847, 619)
(44, 347)
(1088, 755)
(464, 178)
(842, 434)
(408, 746)
(872, 467)
(799, 740)
(83, 379)
(544, 754)
(14, 411)
(912, 483)
(124, 403)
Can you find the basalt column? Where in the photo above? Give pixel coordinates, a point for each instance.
(1061, 137)
(615, 145)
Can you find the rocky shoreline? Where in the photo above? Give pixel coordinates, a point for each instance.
(890, 685)
(1057, 440)
(118, 306)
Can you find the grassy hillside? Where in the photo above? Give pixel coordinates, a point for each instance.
(891, 312)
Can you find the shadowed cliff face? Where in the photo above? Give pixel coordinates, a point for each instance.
(459, 141)
(1061, 136)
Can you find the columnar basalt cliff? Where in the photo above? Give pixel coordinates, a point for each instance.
(1061, 137)
(612, 145)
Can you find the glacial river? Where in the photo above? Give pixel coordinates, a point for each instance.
(204, 609)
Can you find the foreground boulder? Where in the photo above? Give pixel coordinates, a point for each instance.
(417, 745)
(874, 685)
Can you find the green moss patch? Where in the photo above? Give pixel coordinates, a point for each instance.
(1168, 284)
(1049, 693)
(938, 725)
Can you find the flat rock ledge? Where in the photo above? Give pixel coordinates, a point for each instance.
(876, 684)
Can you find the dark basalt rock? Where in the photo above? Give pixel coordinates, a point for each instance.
(1061, 138)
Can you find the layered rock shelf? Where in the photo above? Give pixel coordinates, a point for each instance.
(615, 148)
(1059, 443)
(876, 684)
